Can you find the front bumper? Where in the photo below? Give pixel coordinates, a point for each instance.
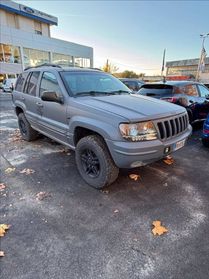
(135, 154)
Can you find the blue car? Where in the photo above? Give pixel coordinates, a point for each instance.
(205, 136)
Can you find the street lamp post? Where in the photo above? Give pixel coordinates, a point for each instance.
(203, 36)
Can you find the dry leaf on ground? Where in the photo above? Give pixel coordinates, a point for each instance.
(168, 160)
(2, 254)
(134, 176)
(27, 171)
(2, 186)
(9, 170)
(105, 191)
(16, 136)
(158, 229)
(3, 228)
(42, 195)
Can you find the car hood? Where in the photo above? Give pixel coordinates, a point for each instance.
(131, 107)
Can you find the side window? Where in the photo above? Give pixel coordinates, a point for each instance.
(131, 85)
(20, 82)
(31, 83)
(191, 90)
(204, 92)
(49, 83)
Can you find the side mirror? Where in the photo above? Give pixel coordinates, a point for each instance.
(51, 96)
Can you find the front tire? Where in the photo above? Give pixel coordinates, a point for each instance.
(27, 132)
(94, 162)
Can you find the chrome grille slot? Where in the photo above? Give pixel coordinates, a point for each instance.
(172, 127)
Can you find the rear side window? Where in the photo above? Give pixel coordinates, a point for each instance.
(190, 90)
(32, 83)
(20, 82)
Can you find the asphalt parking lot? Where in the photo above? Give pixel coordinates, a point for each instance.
(78, 232)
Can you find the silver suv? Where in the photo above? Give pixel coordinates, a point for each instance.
(96, 115)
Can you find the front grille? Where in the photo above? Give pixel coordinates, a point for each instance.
(172, 127)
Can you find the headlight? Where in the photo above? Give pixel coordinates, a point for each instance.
(138, 131)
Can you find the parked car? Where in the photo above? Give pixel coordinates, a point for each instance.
(8, 84)
(192, 95)
(205, 136)
(94, 114)
(132, 83)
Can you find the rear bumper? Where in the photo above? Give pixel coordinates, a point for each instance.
(135, 154)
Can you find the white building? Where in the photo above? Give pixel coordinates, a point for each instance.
(25, 40)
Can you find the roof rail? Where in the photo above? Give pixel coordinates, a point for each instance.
(43, 65)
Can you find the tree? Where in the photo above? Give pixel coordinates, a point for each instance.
(129, 74)
(109, 67)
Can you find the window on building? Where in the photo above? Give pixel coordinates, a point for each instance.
(34, 57)
(12, 20)
(32, 83)
(9, 54)
(49, 83)
(82, 62)
(37, 27)
(62, 59)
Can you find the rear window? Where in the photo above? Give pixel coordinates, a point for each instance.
(20, 82)
(156, 89)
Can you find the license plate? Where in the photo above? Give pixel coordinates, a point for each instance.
(179, 144)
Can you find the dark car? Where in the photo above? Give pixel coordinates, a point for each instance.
(132, 83)
(205, 135)
(192, 95)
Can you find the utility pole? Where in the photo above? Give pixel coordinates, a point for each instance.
(203, 36)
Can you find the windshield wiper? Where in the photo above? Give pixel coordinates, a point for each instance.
(92, 93)
(119, 92)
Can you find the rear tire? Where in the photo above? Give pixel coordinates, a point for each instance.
(27, 132)
(94, 162)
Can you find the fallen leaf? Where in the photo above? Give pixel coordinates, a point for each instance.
(2, 254)
(16, 136)
(105, 191)
(158, 229)
(27, 171)
(168, 160)
(3, 228)
(2, 186)
(42, 195)
(9, 170)
(116, 211)
(134, 176)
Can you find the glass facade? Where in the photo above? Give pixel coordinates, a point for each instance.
(185, 70)
(9, 54)
(82, 62)
(34, 57)
(62, 59)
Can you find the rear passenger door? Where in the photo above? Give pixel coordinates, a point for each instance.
(53, 121)
(30, 98)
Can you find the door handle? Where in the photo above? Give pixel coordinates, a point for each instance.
(23, 98)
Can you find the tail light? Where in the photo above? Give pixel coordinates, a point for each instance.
(170, 99)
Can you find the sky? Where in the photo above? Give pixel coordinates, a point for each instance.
(131, 34)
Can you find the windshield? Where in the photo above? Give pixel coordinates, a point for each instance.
(93, 83)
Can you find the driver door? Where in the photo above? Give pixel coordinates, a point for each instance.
(53, 120)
